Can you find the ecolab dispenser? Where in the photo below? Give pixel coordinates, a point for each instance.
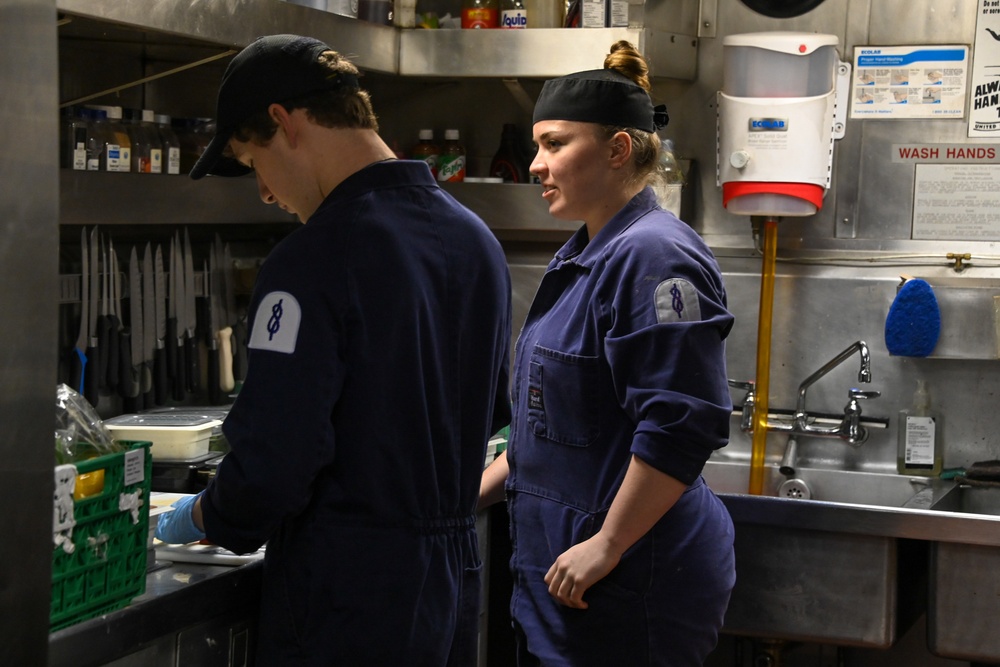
(775, 124)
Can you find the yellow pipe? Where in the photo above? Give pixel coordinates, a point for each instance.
(759, 442)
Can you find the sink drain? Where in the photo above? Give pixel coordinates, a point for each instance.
(794, 488)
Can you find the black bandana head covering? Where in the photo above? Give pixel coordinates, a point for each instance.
(601, 96)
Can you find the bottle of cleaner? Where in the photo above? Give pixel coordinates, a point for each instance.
(920, 436)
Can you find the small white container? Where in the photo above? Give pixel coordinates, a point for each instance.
(174, 436)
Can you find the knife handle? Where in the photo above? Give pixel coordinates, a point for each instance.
(240, 350)
(214, 390)
(160, 374)
(179, 382)
(145, 377)
(226, 382)
(103, 353)
(90, 380)
(113, 351)
(79, 371)
(128, 376)
(171, 349)
(191, 364)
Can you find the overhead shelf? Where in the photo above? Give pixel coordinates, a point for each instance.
(539, 53)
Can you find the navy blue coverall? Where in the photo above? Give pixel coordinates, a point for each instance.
(378, 369)
(622, 353)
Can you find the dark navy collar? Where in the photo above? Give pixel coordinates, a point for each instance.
(584, 251)
(383, 174)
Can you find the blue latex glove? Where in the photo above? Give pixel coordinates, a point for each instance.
(178, 527)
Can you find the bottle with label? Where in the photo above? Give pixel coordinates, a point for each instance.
(513, 14)
(508, 162)
(545, 13)
(480, 14)
(920, 436)
(73, 144)
(97, 138)
(171, 145)
(140, 139)
(155, 142)
(118, 146)
(427, 150)
(451, 167)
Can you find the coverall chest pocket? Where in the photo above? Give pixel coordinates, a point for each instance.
(562, 397)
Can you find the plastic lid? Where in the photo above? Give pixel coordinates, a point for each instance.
(451, 135)
(426, 135)
(148, 115)
(161, 118)
(794, 43)
(114, 113)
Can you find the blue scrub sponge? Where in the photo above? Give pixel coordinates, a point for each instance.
(913, 324)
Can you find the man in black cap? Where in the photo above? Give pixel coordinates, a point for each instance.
(377, 371)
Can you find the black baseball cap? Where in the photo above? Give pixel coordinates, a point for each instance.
(602, 96)
(272, 69)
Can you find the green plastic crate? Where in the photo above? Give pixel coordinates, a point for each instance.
(107, 536)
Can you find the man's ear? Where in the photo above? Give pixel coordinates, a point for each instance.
(285, 121)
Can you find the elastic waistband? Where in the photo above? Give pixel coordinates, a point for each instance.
(422, 525)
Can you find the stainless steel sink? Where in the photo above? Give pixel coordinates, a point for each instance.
(837, 486)
(809, 569)
(964, 600)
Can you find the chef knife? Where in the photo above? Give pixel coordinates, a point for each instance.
(104, 319)
(160, 312)
(190, 319)
(131, 338)
(83, 337)
(114, 320)
(90, 384)
(214, 387)
(224, 318)
(148, 322)
(175, 326)
(118, 359)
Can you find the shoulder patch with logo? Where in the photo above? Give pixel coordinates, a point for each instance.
(276, 325)
(676, 301)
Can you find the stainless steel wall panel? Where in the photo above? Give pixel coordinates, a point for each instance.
(28, 298)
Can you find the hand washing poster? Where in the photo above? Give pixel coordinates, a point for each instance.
(925, 81)
(984, 114)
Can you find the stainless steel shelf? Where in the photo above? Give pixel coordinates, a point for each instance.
(539, 53)
(91, 198)
(236, 23)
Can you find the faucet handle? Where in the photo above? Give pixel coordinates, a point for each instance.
(737, 384)
(855, 393)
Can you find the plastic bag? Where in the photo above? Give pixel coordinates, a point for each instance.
(80, 433)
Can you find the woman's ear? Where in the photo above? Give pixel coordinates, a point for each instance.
(621, 149)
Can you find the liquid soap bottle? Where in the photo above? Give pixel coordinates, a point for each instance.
(920, 436)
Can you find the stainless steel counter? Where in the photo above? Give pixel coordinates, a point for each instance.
(192, 609)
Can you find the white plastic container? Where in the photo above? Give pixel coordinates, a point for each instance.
(174, 436)
(775, 123)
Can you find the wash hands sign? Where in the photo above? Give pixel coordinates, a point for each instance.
(984, 111)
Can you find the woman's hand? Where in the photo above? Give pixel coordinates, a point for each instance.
(580, 567)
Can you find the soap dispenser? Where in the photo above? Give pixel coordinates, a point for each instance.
(920, 436)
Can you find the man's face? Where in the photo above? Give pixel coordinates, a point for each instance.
(274, 171)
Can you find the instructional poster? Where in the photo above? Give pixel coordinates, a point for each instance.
(956, 202)
(984, 114)
(921, 81)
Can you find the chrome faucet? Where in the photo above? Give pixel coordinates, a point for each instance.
(850, 428)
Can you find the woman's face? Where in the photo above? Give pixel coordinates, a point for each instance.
(573, 165)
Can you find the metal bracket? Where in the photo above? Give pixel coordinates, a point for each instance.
(841, 97)
(708, 12)
(520, 95)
